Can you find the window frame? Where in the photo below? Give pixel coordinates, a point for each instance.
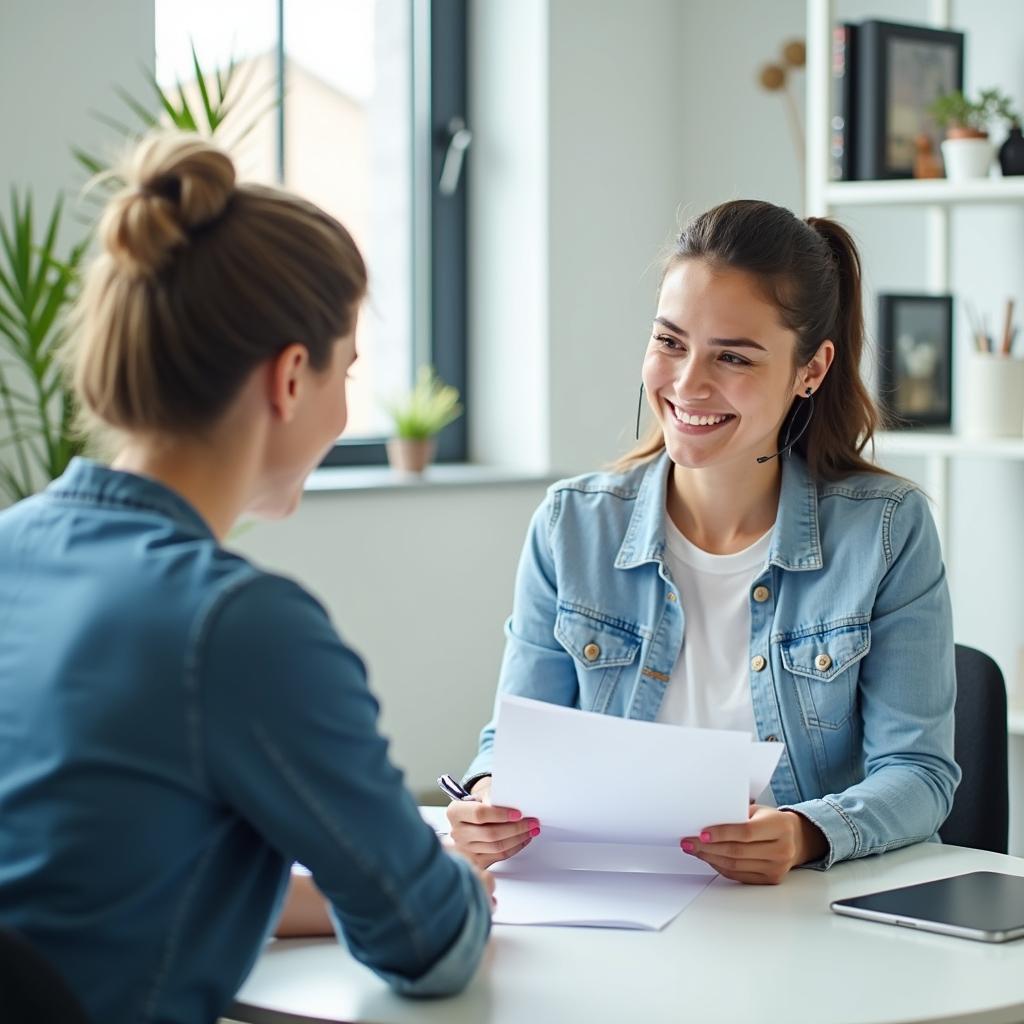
(439, 244)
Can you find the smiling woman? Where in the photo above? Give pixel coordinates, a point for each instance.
(799, 598)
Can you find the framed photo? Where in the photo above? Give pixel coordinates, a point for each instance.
(901, 70)
(915, 348)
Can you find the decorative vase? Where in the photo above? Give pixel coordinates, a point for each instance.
(967, 157)
(1011, 153)
(411, 454)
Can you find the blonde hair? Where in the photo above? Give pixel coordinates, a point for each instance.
(199, 281)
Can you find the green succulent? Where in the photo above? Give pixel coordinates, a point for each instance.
(426, 409)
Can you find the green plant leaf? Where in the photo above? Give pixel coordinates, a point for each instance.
(427, 409)
(186, 119)
(143, 113)
(210, 112)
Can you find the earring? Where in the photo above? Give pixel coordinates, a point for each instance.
(808, 392)
(639, 405)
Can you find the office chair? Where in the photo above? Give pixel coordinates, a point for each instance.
(981, 805)
(31, 991)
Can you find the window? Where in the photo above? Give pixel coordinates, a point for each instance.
(355, 103)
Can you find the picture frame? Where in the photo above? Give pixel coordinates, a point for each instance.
(915, 360)
(901, 71)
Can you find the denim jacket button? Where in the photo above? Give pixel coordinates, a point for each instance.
(757, 663)
(672, 596)
(591, 652)
(822, 662)
(761, 594)
(771, 739)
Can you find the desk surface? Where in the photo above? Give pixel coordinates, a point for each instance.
(738, 953)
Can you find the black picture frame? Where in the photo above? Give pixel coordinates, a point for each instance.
(901, 70)
(915, 360)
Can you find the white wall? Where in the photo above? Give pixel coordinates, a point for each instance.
(58, 62)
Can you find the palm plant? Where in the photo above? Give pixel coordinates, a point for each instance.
(38, 436)
(37, 439)
(220, 93)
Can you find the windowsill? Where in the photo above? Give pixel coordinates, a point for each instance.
(444, 475)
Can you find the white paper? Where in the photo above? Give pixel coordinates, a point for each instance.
(594, 899)
(764, 760)
(614, 797)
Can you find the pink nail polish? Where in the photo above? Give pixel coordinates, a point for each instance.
(514, 815)
(535, 831)
(687, 846)
(705, 837)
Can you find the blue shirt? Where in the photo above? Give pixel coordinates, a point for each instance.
(850, 646)
(176, 728)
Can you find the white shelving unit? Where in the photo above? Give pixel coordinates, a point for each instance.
(984, 191)
(938, 198)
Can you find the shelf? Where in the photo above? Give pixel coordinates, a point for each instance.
(934, 442)
(931, 192)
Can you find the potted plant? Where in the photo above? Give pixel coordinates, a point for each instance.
(967, 150)
(419, 416)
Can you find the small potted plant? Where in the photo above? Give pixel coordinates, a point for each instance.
(418, 417)
(966, 150)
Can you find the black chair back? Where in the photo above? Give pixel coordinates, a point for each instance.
(31, 990)
(981, 807)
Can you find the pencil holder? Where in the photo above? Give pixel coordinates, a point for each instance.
(992, 397)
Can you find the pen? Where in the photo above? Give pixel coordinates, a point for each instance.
(453, 789)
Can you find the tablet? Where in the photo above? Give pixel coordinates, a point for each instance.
(982, 905)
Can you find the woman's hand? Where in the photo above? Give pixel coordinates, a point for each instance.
(763, 850)
(486, 834)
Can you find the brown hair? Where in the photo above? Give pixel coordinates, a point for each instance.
(198, 282)
(810, 271)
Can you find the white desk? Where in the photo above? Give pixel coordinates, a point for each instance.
(737, 954)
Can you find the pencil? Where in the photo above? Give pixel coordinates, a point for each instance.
(1004, 345)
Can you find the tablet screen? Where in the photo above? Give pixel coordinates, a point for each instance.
(981, 904)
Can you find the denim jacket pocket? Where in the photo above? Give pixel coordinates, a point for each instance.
(600, 649)
(823, 665)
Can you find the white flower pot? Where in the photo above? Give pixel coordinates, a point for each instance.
(967, 158)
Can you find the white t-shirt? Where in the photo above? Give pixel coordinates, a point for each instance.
(710, 683)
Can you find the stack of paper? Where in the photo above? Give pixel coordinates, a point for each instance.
(614, 797)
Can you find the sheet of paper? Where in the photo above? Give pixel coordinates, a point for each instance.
(593, 899)
(764, 759)
(614, 797)
(600, 778)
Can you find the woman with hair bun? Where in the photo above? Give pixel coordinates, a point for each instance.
(177, 726)
(745, 567)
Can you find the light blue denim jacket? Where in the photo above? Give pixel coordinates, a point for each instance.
(177, 727)
(851, 653)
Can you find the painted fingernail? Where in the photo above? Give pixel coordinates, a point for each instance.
(687, 846)
(514, 815)
(535, 831)
(705, 837)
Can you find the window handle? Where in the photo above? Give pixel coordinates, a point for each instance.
(458, 138)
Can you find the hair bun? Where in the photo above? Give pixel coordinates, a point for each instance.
(175, 184)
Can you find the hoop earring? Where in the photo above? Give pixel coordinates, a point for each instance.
(639, 406)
